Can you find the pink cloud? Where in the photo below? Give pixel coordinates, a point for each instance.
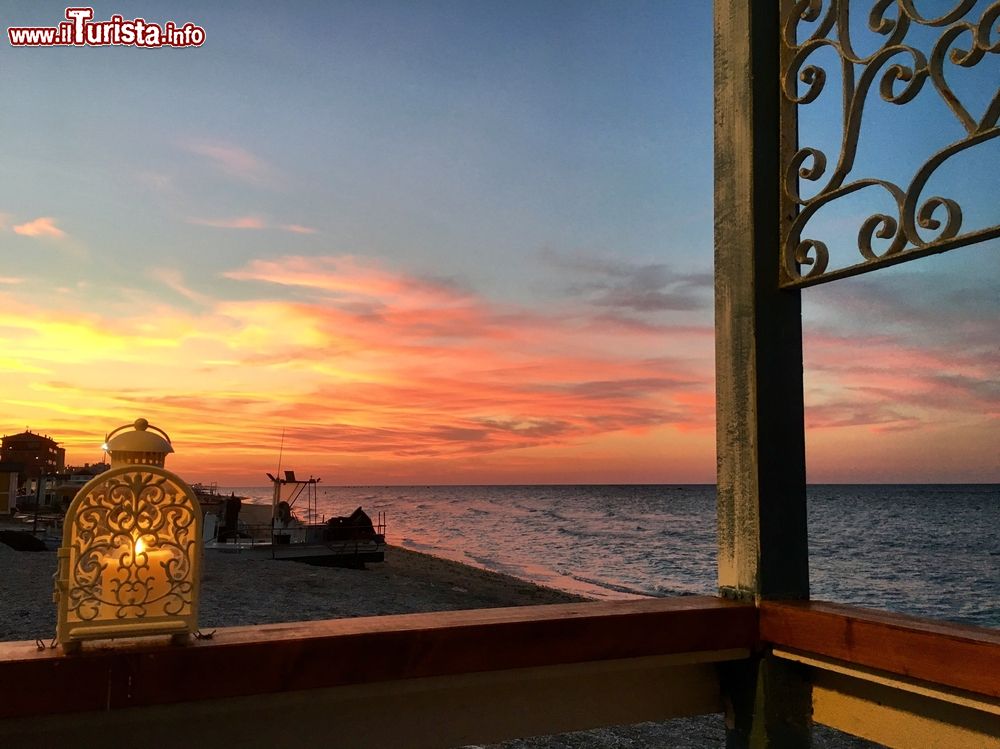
(44, 226)
(233, 161)
(349, 276)
(297, 229)
(427, 368)
(893, 386)
(255, 223)
(239, 222)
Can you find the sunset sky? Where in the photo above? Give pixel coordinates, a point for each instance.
(435, 243)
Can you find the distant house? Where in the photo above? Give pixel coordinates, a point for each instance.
(39, 454)
(85, 472)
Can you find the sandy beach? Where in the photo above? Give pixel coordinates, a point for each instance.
(240, 591)
(282, 591)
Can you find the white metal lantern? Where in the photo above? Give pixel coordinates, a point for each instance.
(130, 559)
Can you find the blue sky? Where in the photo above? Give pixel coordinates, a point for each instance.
(463, 136)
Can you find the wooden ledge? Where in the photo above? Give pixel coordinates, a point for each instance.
(277, 658)
(951, 655)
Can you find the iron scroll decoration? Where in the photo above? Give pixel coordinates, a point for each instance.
(922, 225)
(132, 558)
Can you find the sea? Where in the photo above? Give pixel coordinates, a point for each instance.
(928, 550)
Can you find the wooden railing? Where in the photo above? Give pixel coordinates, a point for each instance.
(444, 679)
(899, 680)
(949, 655)
(418, 680)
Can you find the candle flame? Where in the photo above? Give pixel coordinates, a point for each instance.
(140, 547)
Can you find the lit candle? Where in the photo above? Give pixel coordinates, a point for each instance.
(136, 579)
(115, 586)
(153, 574)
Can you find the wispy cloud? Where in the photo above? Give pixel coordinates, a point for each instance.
(349, 275)
(43, 226)
(631, 287)
(251, 222)
(156, 181)
(297, 228)
(904, 351)
(236, 222)
(174, 280)
(233, 161)
(922, 309)
(895, 385)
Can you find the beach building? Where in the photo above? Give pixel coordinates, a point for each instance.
(9, 473)
(83, 473)
(39, 454)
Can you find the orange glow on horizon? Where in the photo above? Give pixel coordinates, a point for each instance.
(380, 378)
(374, 376)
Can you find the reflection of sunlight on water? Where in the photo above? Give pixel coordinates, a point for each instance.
(918, 549)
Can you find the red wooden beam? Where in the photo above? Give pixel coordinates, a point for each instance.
(270, 659)
(951, 655)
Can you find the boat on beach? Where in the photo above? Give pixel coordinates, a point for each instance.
(291, 528)
(210, 498)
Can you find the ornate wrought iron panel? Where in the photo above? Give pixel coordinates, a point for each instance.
(922, 225)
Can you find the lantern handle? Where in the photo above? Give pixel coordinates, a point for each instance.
(140, 425)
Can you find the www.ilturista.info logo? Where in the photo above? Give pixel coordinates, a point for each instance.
(80, 30)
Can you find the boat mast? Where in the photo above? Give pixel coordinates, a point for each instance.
(276, 496)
